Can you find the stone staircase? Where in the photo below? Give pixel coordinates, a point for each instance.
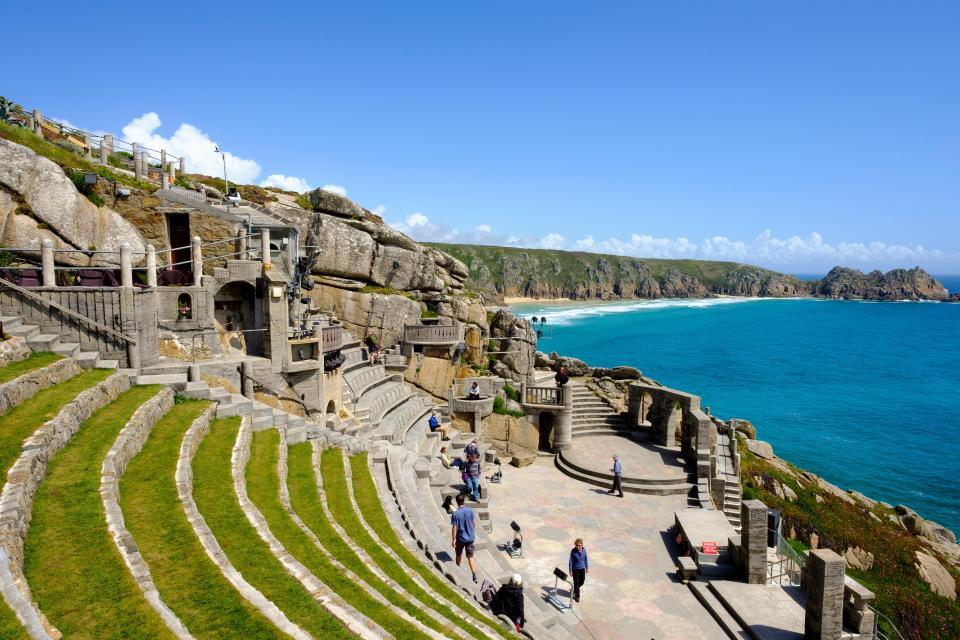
(593, 416)
(726, 472)
(37, 341)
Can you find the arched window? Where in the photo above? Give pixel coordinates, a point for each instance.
(184, 307)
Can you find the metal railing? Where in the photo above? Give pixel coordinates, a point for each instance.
(785, 570)
(432, 334)
(543, 396)
(883, 627)
(68, 312)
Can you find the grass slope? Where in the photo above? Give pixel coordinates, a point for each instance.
(301, 482)
(217, 501)
(77, 577)
(335, 485)
(28, 364)
(263, 487)
(188, 581)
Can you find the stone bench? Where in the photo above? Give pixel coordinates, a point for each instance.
(686, 569)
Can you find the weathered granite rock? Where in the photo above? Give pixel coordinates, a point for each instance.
(743, 426)
(543, 361)
(517, 342)
(935, 575)
(333, 203)
(13, 349)
(386, 314)
(48, 206)
(617, 373)
(857, 558)
(574, 366)
(898, 284)
(760, 448)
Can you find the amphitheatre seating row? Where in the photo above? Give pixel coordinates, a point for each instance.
(381, 399)
(360, 380)
(408, 417)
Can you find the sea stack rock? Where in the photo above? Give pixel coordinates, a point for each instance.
(898, 284)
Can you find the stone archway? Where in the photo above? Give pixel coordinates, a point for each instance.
(235, 308)
(545, 428)
(331, 407)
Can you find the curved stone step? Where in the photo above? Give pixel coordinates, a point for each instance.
(665, 488)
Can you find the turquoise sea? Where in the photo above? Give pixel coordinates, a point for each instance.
(862, 393)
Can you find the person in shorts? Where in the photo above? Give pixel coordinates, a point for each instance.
(463, 534)
(435, 425)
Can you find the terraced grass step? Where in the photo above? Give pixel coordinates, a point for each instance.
(73, 568)
(305, 501)
(187, 580)
(371, 510)
(263, 488)
(247, 552)
(34, 361)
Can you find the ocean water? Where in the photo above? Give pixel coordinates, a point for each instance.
(860, 393)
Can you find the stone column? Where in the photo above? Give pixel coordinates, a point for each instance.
(163, 159)
(137, 162)
(145, 165)
(46, 262)
(183, 166)
(108, 140)
(265, 247)
(824, 586)
(126, 266)
(37, 122)
(563, 427)
(753, 532)
(151, 266)
(86, 149)
(246, 382)
(197, 260)
(241, 244)
(104, 151)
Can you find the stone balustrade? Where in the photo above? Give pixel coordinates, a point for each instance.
(857, 613)
(331, 338)
(541, 396)
(433, 334)
(483, 406)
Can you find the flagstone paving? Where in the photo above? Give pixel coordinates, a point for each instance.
(631, 591)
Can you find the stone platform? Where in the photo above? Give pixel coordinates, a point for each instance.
(647, 468)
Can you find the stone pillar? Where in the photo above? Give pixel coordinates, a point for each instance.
(151, 266)
(753, 532)
(104, 151)
(824, 587)
(137, 162)
(108, 140)
(87, 154)
(197, 260)
(145, 165)
(37, 122)
(166, 175)
(265, 247)
(241, 248)
(126, 266)
(193, 373)
(563, 427)
(183, 166)
(163, 159)
(246, 382)
(46, 262)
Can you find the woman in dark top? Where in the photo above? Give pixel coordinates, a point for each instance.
(509, 601)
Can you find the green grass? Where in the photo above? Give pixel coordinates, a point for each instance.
(263, 487)
(28, 364)
(188, 581)
(335, 484)
(215, 497)
(75, 572)
(301, 482)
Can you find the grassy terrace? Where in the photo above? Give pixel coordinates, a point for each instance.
(33, 361)
(75, 573)
(188, 581)
(263, 487)
(216, 500)
(335, 485)
(301, 481)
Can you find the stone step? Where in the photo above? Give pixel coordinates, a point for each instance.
(68, 349)
(219, 394)
(87, 359)
(198, 390)
(10, 322)
(177, 380)
(24, 331)
(44, 342)
(702, 592)
(107, 364)
(646, 486)
(280, 418)
(259, 423)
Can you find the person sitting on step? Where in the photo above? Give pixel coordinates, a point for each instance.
(435, 425)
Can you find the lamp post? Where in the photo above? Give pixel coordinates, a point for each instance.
(223, 155)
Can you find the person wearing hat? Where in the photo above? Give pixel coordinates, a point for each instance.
(509, 601)
(435, 425)
(617, 477)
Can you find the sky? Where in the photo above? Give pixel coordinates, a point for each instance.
(797, 136)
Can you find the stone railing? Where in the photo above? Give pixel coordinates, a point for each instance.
(331, 338)
(857, 613)
(441, 334)
(488, 386)
(542, 396)
(483, 406)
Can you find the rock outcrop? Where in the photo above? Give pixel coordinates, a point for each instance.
(516, 343)
(899, 284)
(39, 202)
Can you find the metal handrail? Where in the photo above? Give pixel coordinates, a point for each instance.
(881, 634)
(68, 312)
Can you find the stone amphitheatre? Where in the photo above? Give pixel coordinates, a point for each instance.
(197, 443)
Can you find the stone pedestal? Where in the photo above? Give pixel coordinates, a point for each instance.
(753, 532)
(824, 587)
(563, 428)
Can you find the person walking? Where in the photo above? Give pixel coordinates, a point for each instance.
(617, 477)
(473, 477)
(579, 566)
(463, 534)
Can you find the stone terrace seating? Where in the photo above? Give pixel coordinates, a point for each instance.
(381, 399)
(362, 380)
(403, 419)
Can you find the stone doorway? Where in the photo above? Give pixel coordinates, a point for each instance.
(235, 308)
(545, 427)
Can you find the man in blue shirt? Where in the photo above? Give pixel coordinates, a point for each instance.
(463, 532)
(435, 425)
(617, 477)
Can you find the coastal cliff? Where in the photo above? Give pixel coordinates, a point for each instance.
(508, 272)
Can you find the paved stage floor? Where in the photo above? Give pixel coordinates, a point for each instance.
(631, 592)
(640, 460)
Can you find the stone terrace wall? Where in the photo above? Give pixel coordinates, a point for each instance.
(19, 389)
(13, 349)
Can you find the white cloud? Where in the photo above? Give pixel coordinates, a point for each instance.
(192, 144)
(379, 210)
(335, 188)
(552, 241)
(287, 183)
(584, 243)
(417, 220)
(483, 229)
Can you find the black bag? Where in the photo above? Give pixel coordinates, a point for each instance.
(488, 591)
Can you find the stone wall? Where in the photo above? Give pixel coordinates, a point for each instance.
(386, 314)
(13, 349)
(433, 375)
(23, 480)
(23, 388)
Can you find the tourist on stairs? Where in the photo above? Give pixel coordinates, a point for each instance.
(579, 566)
(473, 477)
(463, 532)
(373, 346)
(509, 601)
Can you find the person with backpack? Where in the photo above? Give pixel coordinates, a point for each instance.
(463, 533)
(473, 477)
(508, 601)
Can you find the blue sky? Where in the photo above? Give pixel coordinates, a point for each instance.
(796, 136)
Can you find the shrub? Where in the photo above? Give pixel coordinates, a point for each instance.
(500, 407)
(512, 393)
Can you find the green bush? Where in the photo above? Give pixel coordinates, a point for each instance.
(500, 407)
(512, 393)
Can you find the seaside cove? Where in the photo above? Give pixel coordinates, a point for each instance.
(857, 392)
